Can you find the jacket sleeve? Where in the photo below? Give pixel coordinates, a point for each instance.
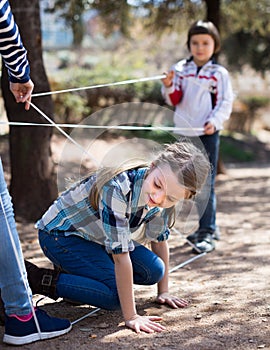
(223, 96)
(173, 94)
(11, 47)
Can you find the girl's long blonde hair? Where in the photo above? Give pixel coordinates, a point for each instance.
(105, 174)
(187, 162)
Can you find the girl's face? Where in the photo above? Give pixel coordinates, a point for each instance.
(202, 47)
(161, 188)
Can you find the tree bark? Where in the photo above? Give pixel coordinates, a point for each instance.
(33, 181)
(213, 12)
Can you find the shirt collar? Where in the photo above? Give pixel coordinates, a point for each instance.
(137, 178)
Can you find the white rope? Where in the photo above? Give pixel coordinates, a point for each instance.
(64, 133)
(59, 128)
(83, 126)
(184, 263)
(124, 82)
(187, 262)
(20, 267)
(87, 315)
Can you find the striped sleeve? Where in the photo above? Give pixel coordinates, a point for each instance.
(11, 46)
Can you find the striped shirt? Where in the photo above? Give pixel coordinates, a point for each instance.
(11, 46)
(118, 217)
(199, 96)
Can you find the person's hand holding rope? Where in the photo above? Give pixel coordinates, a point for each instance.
(22, 92)
(168, 81)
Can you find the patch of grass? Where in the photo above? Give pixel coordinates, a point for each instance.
(159, 136)
(235, 150)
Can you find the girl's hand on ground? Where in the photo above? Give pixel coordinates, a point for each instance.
(145, 323)
(168, 81)
(174, 302)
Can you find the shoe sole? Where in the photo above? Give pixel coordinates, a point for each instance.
(13, 340)
(202, 251)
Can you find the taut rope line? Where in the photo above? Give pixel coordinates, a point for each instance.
(124, 82)
(84, 126)
(59, 128)
(64, 133)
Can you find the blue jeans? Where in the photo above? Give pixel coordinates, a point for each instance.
(89, 275)
(15, 290)
(207, 212)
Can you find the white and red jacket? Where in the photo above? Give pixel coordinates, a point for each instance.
(200, 95)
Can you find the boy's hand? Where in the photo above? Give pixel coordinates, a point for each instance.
(168, 81)
(209, 128)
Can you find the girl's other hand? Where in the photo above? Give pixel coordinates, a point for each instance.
(174, 302)
(145, 323)
(168, 81)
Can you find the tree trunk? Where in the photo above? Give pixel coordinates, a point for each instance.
(213, 11)
(33, 181)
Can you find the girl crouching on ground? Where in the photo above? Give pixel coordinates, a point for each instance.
(89, 233)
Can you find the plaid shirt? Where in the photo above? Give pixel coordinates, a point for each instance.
(118, 216)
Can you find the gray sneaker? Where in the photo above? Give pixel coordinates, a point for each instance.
(193, 237)
(205, 243)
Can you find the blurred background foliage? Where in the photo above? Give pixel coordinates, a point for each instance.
(138, 38)
(93, 42)
(152, 33)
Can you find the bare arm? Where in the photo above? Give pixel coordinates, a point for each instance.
(124, 282)
(161, 249)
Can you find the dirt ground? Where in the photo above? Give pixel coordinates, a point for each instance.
(228, 289)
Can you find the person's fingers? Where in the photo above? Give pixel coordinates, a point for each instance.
(155, 318)
(171, 74)
(181, 302)
(148, 324)
(27, 103)
(22, 92)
